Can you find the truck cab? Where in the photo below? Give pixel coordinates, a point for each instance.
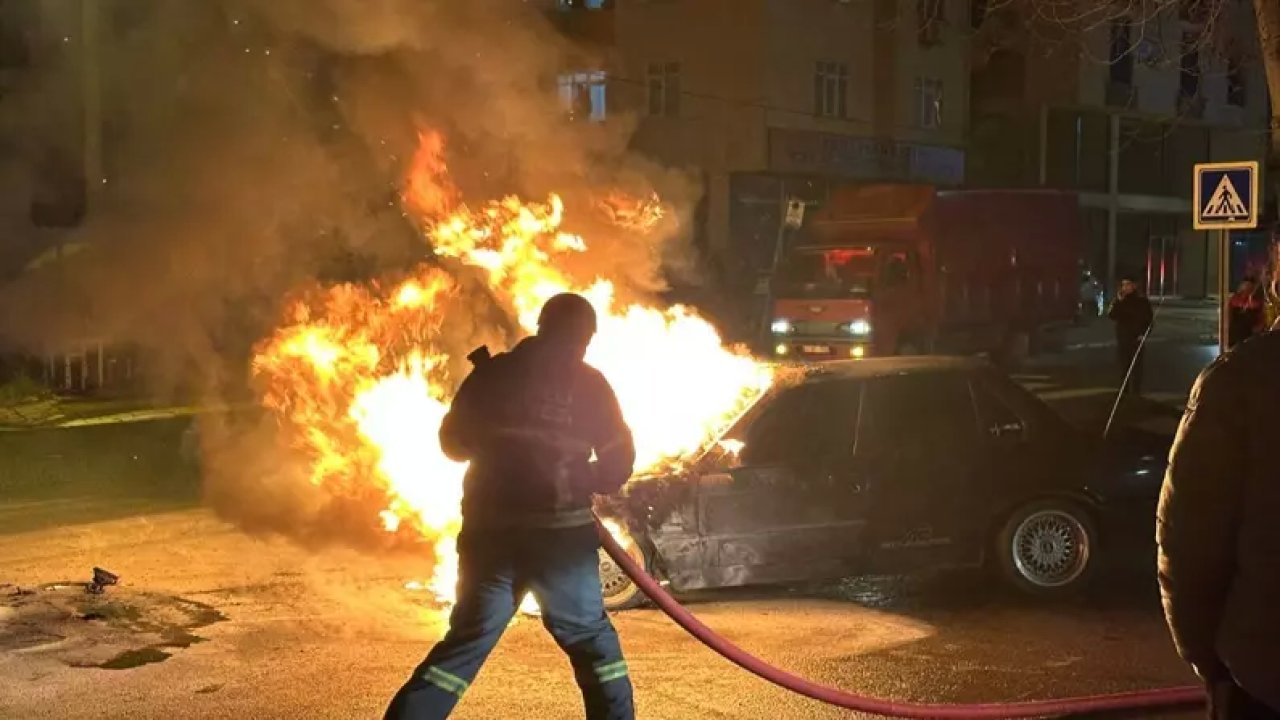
(836, 303)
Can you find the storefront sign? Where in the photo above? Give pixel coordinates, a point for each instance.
(829, 154)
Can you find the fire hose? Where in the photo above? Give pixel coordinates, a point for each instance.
(1139, 700)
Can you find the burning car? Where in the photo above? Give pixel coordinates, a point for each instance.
(889, 466)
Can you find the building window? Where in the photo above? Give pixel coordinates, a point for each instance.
(1195, 12)
(830, 89)
(582, 95)
(929, 103)
(978, 12)
(929, 20)
(1189, 77)
(14, 50)
(1235, 82)
(664, 89)
(1122, 52)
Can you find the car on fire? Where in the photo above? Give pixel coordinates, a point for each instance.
(889, 466)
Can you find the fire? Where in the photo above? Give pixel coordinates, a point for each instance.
(359, 374)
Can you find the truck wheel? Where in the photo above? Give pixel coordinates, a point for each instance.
(1048, 548)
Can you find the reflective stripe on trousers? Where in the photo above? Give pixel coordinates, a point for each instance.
(445, 680)
(608, 672)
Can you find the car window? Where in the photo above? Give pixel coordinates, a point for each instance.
(922, 414)
(1035, 413)
(805, 425)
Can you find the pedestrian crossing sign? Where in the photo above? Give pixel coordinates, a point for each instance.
(1226, 196)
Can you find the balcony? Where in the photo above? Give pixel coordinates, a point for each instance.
(586, 21)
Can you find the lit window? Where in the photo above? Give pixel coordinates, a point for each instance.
(582, 95)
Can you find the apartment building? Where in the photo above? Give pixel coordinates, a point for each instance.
(42, 162)
(769, 99)
(1120, 111)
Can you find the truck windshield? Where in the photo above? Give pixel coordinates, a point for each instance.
(829, 274)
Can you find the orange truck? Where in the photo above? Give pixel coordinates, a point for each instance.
(909, 269)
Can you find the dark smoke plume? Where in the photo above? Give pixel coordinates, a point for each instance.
(255, 148)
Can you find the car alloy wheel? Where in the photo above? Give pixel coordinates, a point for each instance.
(619, 591)
(1051, 548)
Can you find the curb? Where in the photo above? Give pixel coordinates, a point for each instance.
(1095, 345)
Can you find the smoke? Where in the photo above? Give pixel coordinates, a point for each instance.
(253, 148)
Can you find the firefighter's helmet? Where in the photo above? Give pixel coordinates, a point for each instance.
(567, 315)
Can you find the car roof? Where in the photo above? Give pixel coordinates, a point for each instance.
(880, 367)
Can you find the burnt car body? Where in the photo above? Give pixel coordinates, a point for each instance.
(895, 465)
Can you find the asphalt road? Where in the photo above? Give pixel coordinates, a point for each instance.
(210, 623)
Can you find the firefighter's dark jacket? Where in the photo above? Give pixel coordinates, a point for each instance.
(529, 421)
(1218, 524)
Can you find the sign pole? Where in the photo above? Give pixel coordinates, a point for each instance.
(770, 280)
(792, 211)
(1224, 289)
(1226, 199)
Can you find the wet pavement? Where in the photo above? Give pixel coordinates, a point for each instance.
(273, 632)
(210, 623)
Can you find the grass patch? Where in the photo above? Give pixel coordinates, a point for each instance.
(56, 476)
(22, 388)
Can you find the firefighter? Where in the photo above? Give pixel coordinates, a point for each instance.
(1131, 312)
(1219, 553)
(528, 421)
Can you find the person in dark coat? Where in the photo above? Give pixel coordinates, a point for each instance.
(1245, 313)
(529, 422)
(1219, 551)
(1131, 313)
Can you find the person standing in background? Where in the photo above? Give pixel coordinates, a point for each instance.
(1131, 313)
(1245, 313)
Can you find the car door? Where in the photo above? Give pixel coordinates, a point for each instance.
(789, 511)
(919, 455)
(1029, 450)
(1010, 462)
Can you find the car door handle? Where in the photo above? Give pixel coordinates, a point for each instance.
(1001, 430)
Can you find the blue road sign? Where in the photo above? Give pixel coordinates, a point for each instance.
(1226, 196)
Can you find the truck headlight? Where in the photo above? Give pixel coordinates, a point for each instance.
(780, 327)
(860, 327)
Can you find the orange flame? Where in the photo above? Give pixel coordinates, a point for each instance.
(358, 374)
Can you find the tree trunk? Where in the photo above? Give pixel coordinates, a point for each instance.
(1268, 12)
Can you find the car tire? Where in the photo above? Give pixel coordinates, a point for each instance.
(619, 591)
(1048, 548)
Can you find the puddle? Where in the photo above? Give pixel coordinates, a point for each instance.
(136, 658)
(129, 629)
